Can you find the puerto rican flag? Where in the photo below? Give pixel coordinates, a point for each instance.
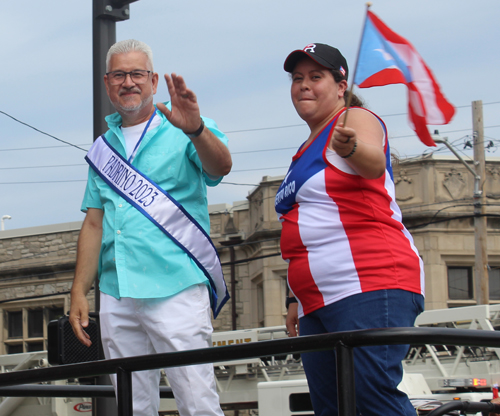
(387, 58)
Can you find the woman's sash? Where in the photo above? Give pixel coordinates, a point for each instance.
(163, 211)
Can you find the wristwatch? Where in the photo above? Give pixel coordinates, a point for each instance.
(195, 134)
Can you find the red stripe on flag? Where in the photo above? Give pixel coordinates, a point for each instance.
(426, 103)
(390, 35)
(446, 107)
(416, 112)
(387, 76)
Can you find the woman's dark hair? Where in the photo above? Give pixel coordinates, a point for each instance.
(355, 100)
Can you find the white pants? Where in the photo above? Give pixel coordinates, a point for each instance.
(131, 327)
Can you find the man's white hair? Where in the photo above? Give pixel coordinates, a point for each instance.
(129, 45)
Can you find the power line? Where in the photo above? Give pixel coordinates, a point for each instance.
(246, 151)
(265, 150)
(234, 153)
(251, 259)
(458, 106)
(47, 166)
(441, 132)
(39, 182)
(304, 124)
(458, 217)
(36, 148)
(430, 151)
(233, 131)
(240, 184)
(249, 170)
(85, 180)
(442, 148)
(267, 128)
(42, 132)
(420, 206)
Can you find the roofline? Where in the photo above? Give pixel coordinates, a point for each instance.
(42, 229)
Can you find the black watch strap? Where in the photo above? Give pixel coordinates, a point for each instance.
(290, 300)
(195, 134)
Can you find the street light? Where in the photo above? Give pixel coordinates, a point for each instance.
(5, 217)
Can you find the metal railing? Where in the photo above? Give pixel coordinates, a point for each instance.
(342, 342)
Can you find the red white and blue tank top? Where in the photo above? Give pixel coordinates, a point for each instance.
(342, 234)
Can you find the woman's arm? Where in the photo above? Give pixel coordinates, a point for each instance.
(360, 143)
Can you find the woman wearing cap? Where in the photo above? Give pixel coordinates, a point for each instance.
(352, 263)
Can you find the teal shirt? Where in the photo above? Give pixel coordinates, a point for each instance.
(137, 259)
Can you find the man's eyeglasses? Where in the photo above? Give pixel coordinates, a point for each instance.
(139, 76)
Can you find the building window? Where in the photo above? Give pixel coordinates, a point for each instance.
(494, 282)
(15, 324)
(15, 349)
(35, 323)
(460, 285)
(27, 328)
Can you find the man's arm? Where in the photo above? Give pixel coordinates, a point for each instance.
(214, 155)
(185, 115)
(87, 258)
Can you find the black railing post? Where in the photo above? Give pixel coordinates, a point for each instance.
(124, 392)
(346, 389)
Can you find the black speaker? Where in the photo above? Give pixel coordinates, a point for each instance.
(64, 347)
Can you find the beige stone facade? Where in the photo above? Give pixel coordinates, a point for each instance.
(36, 269)
(436, 200)
(435, 196)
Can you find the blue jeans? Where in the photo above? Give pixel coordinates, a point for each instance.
(378, 369)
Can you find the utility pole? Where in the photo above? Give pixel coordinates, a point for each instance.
(481, 280)
(480, 224)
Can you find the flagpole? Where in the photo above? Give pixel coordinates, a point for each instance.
(349, 99)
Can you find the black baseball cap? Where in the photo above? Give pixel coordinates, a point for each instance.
(325, 55)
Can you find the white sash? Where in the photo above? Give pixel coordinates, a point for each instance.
(164, 211)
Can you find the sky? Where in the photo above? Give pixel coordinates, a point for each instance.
(231, 54)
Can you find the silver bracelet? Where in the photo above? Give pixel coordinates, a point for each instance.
(352, 151)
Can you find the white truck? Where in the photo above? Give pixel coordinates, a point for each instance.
(276, 386)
